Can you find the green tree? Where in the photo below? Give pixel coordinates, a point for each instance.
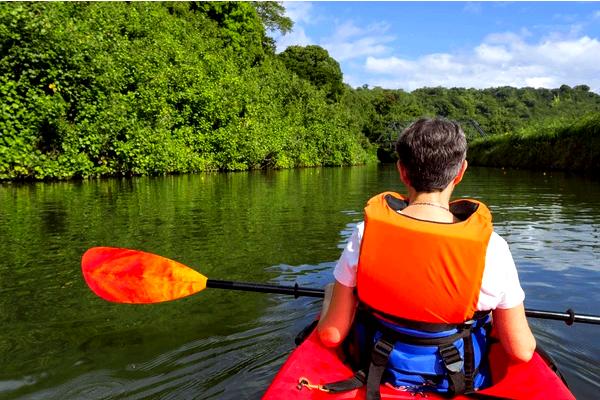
(272, 14)
(314, 64)
(94, 89)
(240, 26)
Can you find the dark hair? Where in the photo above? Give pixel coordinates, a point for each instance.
(432, 151)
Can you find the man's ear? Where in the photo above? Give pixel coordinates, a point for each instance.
(403, 173)
(461, 173)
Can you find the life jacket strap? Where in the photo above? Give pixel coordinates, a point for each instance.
(395, 336)
(422, 326)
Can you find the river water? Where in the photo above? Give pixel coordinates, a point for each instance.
(59, 341)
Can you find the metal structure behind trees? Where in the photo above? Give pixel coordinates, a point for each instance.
(387, 140)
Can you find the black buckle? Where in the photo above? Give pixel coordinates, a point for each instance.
(381, 352)
(452, 359)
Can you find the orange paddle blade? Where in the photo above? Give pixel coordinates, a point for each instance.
(131, 276)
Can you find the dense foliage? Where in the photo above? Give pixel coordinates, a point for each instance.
(558, 144)
(382, 114)
(482, 112)
(314, 64)
(96, 89)
(145, 88)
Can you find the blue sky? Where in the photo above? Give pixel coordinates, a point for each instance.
(454, 44)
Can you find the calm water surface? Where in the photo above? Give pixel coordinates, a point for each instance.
(59, 341)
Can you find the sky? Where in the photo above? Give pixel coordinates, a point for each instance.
(408, 45)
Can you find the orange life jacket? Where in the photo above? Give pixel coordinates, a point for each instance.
(421, 270)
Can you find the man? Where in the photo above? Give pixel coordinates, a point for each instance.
(425, 272)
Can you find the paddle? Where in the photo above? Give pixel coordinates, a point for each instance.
(137, 277)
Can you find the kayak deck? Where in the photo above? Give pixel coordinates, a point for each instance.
(319, 365)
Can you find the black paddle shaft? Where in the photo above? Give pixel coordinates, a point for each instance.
(569, 317)
(295, 290)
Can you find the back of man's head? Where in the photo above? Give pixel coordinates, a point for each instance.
(432, 152)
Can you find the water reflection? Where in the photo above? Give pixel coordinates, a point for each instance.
(58, 341)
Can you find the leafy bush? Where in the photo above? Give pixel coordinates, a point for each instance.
(93, 89)
(555, 144)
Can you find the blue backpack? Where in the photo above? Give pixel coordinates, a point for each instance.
(416, 356)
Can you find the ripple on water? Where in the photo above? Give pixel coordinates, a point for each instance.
(13, 385)
(90, 386)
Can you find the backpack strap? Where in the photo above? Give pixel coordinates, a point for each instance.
(454, 365)
(380, 355)
(469, 363)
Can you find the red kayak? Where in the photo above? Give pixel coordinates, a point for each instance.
(311, 364)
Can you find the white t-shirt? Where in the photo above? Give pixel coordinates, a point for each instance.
(500, 287)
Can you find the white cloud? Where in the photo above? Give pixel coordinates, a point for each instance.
(492, 54)
(583, 52)
(561, 32)
(350, 41)
(541, 81)
(347, 42)
(353, 80)
(297, 37)
(299, 11)
(597, 14)
(442, 63)
(501, 59)
(359, 48)
(387, 65)
(348, 30)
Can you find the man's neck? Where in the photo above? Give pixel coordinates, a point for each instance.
(441, 198)
(430, 206)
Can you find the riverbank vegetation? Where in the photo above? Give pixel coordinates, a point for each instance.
(120, 89)
(495, 111)
(94, 89)
(552, 145)
(506, 126)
